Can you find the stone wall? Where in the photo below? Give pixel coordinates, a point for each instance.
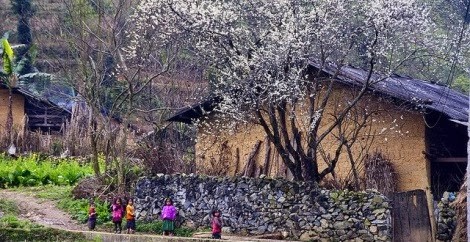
(259, 206)
(446, 218)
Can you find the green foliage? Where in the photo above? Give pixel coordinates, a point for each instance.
(184, 232)
(10, 220)
(39, 234)
(149, 227)
(33, 170)
(156, 227)
(8, 207)
(462, 83)
(79, 209)
(7, 56)
(49, 192)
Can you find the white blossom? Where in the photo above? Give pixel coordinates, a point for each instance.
(259, 50)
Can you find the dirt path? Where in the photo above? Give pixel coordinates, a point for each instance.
(45, 212)
(41, 211)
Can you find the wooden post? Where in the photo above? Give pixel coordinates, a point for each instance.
(237, 161)
(250, 163)
(267, 157)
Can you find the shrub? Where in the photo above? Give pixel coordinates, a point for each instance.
(34, 170)
(156, 227)
(79, 209)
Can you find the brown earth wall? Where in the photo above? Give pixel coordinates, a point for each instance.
(17, 109)
(392, 130)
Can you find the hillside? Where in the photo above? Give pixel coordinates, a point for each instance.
(45, 29)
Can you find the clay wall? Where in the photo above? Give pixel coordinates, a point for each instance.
(393, 130)
(17, 109)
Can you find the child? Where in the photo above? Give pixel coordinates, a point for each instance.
(92, 216)
(130, 217)
(216, 224)
(117, 213)
(168, 216)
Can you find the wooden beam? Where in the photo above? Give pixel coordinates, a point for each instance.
(44, 125)
(46, 116)
(450, 159)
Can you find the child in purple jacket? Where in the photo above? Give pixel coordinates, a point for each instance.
(117, 212)
(168, 216)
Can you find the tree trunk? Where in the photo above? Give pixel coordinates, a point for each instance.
(94, 144)
(308, 169)
(121, 158)
(9, 123)
(250, 163)
(267, 158)
(468, 173)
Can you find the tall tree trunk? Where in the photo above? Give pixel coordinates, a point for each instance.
(121, 158)
(92, 126)
(308, 169)
(9, 123)
(468, 172)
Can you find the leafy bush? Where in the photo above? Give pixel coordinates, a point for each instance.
(149, 227)
(79, 209)
(156, 227)
(35, 170)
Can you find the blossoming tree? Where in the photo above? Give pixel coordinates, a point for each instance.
(259, 52)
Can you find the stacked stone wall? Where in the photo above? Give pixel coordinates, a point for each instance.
(446, 217)
(260, 206)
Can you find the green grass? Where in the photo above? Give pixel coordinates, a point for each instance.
(49, 192)
(77, 208)
(156, 228)
(10, 216)
(14, 229)
(39, 234)
(8, 207)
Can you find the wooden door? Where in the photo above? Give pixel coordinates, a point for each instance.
(411, 217)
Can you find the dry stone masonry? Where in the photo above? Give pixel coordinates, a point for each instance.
(260, 206)
(446, 218)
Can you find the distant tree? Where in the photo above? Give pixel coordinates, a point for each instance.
(115, 89)
(25, 11)
(260, 50)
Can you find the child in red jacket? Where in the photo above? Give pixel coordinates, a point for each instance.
(92, 216)
(216, 224)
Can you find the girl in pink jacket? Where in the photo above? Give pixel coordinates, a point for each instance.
(168, 216)
(117, 212)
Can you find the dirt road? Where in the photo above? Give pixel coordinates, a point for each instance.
(41, 211)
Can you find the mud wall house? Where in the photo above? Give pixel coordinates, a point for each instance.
(33, 111)
(419, 126)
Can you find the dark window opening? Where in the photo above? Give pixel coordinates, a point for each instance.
(446, 150)
(446, 177)
(445, 138)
